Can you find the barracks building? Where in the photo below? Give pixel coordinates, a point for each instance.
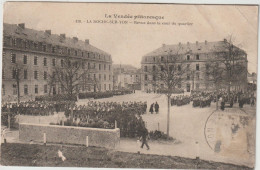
(193, 59)
(36, 54)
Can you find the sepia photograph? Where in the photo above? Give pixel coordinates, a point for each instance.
(129, 85)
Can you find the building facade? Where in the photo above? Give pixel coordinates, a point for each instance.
(195, 59)
(126, 77)
(33, 55)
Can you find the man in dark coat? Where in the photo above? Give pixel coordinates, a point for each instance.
(156, 107)
(144, 135)
(151, 108)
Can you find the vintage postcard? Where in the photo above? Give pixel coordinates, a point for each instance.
(129, 85)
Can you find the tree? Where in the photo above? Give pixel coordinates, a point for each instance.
(70, 76)
(227, 65)
(169, 71)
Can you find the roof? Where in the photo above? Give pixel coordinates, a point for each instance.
(197, 48)
(42, 36)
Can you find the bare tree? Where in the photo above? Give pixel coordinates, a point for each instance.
(70, 76)
(169, 72)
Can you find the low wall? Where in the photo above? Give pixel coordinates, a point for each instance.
(108, 138)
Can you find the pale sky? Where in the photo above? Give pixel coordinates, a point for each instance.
(128, 43)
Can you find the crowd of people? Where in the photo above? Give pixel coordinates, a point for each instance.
(35, 108)
(180, 100)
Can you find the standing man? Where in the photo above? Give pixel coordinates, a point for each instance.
(156, 107)
(151, 108)
(144, 135)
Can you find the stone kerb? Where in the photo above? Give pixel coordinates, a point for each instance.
(108, 138)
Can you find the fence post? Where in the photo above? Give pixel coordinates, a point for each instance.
(9, 121)
(86, 141)
(44, 139)
(115, 124)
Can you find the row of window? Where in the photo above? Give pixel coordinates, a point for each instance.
(45, 88)
(35, 61)
(188, 57)
(172, 67)
(26, 44)
(16, 75)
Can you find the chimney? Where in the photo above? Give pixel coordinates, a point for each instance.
(225, 40)
(86, 41)
(163, 45)
(48, 32)
(22, 25)
(75, 39)
(63, 36)
(188, 43)
(197, 42)
(206, 42)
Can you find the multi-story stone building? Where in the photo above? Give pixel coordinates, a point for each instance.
(36, 53)
(194, 59)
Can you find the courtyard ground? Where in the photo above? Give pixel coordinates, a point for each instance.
(227, 136)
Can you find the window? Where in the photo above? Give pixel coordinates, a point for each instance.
(25, 89)
(14, 42)
(25, 59)
(198, 76)
(14, 89)
(35, 75)
(13, 58)
(88, 55)
(99, 76)
(94, 66)
(53, 49)
(45, 61)
(197, 67)
(162, 68)
(179, 67)
(145, 68)
(162, 58)
(53, 62)
(14, 74)
(104, 66)
(35, 45)
(25, 44)
(44, 48)
(99, 66)
(69, 51)
(188, 66)
(3, 89)
(154, 59)
(94, 76)
(25, 74)
(109, 67)
(188, 57)
(35, 61)
(197, 57)
(109, 77)
(188, 77)
(76, 52)
(82, 53)
(109, 86)
(45, 87)
(61, 63)
(3, 74)
(105, 87)
(45, 75)
(36, 89)
(154, 78)
(105, 77)
(154, 68)
(145, 77)
(88, 65)
(83, 65)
